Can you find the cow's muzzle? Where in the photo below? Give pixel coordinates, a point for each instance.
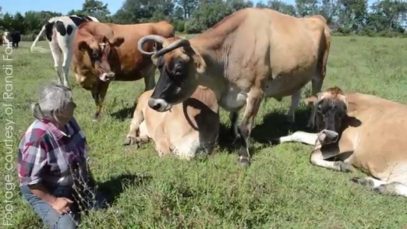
(159, 104)
(107, 76)
(328, 137)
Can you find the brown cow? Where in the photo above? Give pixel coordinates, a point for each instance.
(361, 131)
(185, 130)
(249, 55)
(105, 52)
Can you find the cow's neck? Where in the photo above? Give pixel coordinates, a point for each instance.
(214, 45)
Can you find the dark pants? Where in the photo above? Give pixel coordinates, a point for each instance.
(50, 216)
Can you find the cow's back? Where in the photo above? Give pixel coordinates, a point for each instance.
(282, 48)
(377, 131)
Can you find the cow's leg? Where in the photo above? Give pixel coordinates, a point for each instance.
(300, 136)
(316, 87)
(57, 56)
(162, 144)
(65, 44)
(149, 78)
(98, 94)
(134, 130)
(234, 117)
(393, 188)
(253, 101)
(318, 159)
(295, 101)
(316, 84)
(369, 182)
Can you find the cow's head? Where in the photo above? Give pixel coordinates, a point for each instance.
(330, 108)
(179, 65)
(99, 51)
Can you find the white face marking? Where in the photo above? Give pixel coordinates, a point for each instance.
(163, 105)
(102, 46)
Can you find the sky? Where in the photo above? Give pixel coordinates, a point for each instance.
(63, 6)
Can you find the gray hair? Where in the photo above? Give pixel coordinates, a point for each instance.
(52, 99)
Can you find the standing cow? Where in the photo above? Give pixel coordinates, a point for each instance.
(60, 33)
(103, 52)
(15, 38)
(249, 55)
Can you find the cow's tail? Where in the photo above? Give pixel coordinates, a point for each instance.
(325, 52)
(37, 38)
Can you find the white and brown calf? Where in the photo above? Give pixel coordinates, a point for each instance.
(60, 32)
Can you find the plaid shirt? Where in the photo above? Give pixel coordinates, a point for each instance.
(50, 156)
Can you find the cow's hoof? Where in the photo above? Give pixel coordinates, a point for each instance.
(127, 142)
(96, 117)
(344, 167)
(290, 120)
(380, 189)
(275, 141)
(363, 181)
(244, 161)
(131, 141)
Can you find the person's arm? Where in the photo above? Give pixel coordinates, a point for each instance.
(41, 192)
(31, 163)
(60, 204)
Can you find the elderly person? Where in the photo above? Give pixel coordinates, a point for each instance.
(52, 160)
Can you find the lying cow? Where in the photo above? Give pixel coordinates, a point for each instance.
(249, 55)
(188, 128)
(5, 39)
(60, 32)
(361, 131)
(105, 52)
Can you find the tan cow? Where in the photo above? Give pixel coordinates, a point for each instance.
(105, 52)
(361, 131)
(249, 55)
(185, 130)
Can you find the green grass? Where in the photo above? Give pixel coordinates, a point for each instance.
(281, 189)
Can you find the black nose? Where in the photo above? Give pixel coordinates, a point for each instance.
(157, 106)
(154, 104)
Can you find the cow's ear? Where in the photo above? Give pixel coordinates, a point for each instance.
(199, 62)
(83, 46)
(117, 41)
(311, 101)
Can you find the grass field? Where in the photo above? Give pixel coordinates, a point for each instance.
(281, 189)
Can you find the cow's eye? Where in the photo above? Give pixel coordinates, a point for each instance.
(95, 55)
(178, 69)
(160, 62)
(319, 108)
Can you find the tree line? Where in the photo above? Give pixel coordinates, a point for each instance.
(382, 17)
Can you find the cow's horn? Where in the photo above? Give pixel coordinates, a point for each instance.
(172, 46)
(143, 40)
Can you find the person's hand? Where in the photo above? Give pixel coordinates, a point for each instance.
(61, 205)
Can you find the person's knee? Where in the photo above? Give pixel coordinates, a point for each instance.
(66, 221)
